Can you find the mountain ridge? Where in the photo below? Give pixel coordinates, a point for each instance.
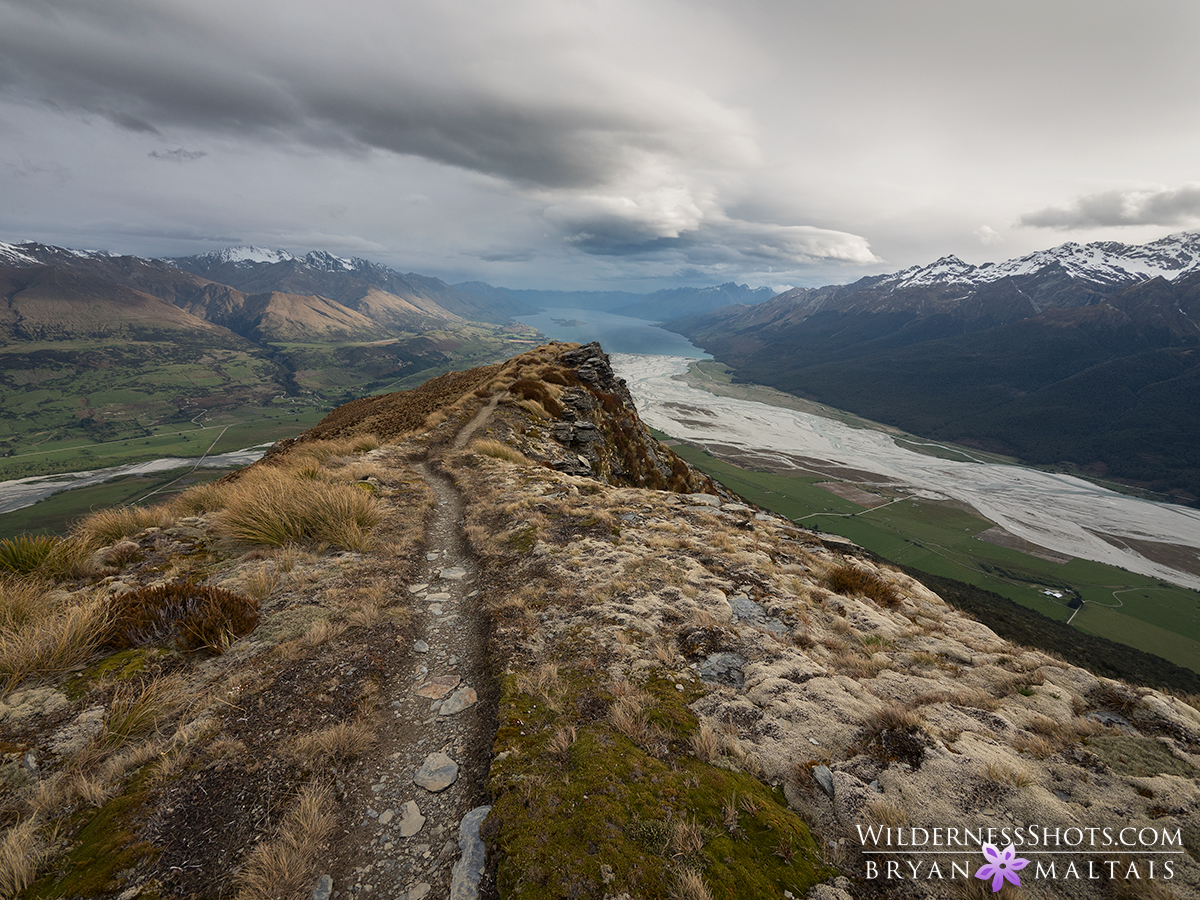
(988, 360)
(510, 633)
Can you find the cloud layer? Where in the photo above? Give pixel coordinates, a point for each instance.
(536, 142)
(1178, 206)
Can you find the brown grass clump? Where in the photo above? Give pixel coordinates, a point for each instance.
(706, 743)
(269, 506)
(20, 852)
(190, 616)
(1004, 774)
(21, 601)
(343, 741)
(850, 580)
(140, 708)
(689, 885)
(283, 866)
(52, 643)
(111, 525)
(499, 450)
(546, 395)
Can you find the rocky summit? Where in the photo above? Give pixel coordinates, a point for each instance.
(490, 638)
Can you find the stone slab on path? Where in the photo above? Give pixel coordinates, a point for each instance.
(437, 773)
(458, 701)
(439, 687)
(411, 820)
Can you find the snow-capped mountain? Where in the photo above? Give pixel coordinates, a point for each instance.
(240, 255)
(1107, 263)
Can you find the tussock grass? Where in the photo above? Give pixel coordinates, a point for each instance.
(499, 450)
(25, 554)
(340, 742)
(198, 500)
(141, 708)
(21, 851)
(849, 580)
(689, 885)
(283, 866)
(22, 601)
(269, 506)
(111, 525)
(52, 643)
(1003, 773)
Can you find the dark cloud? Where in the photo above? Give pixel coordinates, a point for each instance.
(1119, 208)
(178, 155)
(149, 67)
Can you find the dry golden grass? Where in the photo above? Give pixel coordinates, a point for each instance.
(885, 812)
(198, 500)
(893, 717)
(562, 740)
(53, 643)
(22, 601)
(267, 506)
(545, 683)
(689, 885)
(706, 743)
(21, 851)
(139, 709)
(261, 582)
(111, 525)
(343, 741)
(1005, 774)
(282, 867)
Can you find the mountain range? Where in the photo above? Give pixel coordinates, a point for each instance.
(1082, 355)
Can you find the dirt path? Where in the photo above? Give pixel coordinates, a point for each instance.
(407, 805)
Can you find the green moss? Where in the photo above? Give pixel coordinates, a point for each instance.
(117, 667)
(560, 815)
(1138, 756)
(104, 846)
(523, 539)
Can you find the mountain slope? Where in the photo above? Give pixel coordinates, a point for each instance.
(660, 306)
(350, 282)
(1076, 356)
(620, 690)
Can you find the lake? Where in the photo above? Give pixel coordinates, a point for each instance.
(616, 334)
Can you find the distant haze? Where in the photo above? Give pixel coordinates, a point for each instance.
(612, 146)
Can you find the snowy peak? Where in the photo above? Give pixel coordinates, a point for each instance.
(244, 255)
(13, 255)
(327, 262)
(1108, 263)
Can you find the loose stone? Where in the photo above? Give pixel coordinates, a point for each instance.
(421, 647)
(454, 573)
(324, 888)
(385, 818)
(458, 701)
(464, 878)
(437, 773)
(439, 687)
(411, 819)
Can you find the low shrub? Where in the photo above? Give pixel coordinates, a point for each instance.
(189, 616)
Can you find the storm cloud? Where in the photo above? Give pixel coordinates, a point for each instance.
(540, 143)
(1179, 206)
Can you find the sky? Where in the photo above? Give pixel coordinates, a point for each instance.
(601, 144)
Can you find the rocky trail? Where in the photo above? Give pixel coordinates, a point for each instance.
(419, 798)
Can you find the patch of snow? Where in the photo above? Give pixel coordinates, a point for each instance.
(11, 255)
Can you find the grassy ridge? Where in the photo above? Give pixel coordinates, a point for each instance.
(939, 539)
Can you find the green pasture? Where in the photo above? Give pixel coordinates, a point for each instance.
(55, 514)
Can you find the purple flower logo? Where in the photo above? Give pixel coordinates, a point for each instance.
(1001, 866)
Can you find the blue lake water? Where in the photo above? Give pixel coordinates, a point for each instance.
(616, 334)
